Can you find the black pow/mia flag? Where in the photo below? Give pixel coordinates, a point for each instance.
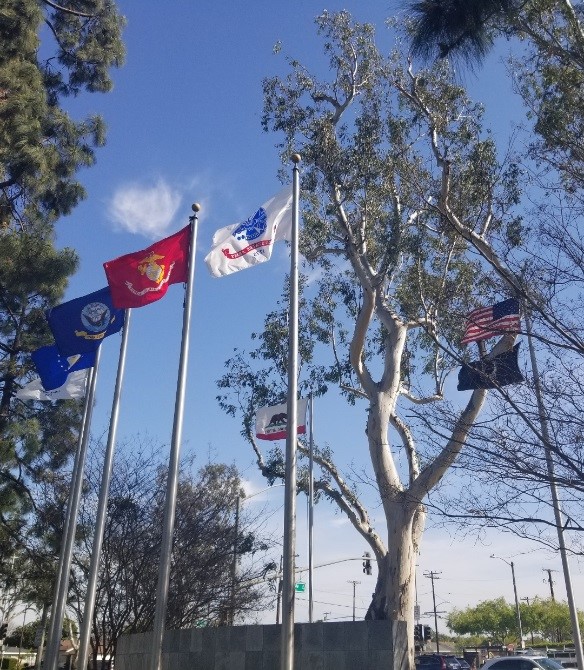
(489, 374)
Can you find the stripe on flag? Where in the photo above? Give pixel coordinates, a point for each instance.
(491, 321)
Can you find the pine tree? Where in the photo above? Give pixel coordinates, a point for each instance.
(41, 147)
(41, 151)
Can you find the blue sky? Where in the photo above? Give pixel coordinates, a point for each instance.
(184, 126)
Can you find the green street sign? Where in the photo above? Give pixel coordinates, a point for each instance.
(300, 587)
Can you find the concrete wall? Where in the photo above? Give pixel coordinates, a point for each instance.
(347, 645)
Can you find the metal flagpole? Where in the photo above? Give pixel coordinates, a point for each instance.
(66, 525)
(172, 481)
(89, 605)
(555, 500)
(287, 642)
(76, 488)
(310, 509)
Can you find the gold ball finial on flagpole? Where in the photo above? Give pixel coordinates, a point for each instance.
(196, 207)
(295, 158)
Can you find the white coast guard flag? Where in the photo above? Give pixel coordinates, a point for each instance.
(74, 387)
(272, 424)
(243, 245)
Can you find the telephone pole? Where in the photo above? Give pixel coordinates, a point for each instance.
(551, 582)
(517, 610)
(432, 576)
(354, 582)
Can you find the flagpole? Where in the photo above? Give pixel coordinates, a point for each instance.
(576, 636)
(89, 605)
(310, 509)
(66, 525)
(288, 592)
(174, 458)
(76, 489)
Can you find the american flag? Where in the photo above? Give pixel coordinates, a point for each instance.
(492, 321)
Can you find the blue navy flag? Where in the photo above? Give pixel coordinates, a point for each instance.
(80, 325)
(53, 369)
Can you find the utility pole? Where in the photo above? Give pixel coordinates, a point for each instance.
(354, 582)
(432, 576)
(551, 582)
(517, 610)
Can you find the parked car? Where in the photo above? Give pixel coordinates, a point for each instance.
(437, 662)
(463, 664)
(522, 663)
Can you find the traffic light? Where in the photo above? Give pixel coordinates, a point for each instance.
(3, 630)
(427, 633)
(367, 563)
(418, 632)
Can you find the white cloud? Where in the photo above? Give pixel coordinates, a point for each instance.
(148, 210)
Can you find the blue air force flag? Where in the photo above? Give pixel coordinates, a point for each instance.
(80, 325)
(53, 369)
(243, 245)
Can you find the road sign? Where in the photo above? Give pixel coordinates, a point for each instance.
(300, 587)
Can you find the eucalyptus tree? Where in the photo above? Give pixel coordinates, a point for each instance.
(544, 267)
(382, 321)
(547, 39)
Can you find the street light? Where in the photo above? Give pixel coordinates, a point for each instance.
(518, 612)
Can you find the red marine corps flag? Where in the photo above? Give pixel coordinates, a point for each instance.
(142, 277)
(271, 422)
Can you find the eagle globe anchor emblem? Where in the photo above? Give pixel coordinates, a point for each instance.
(152, 269)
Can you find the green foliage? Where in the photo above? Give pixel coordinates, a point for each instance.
(41, 147)
(548, 619)
(387, 153)
(368, 137)
(35, 438)
(450, 27)
(495, 619)
(48, 52)
(548, 71)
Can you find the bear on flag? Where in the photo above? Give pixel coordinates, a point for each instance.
(272, 422)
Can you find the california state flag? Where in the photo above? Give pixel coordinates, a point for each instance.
(272, 422)
(243, 245)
